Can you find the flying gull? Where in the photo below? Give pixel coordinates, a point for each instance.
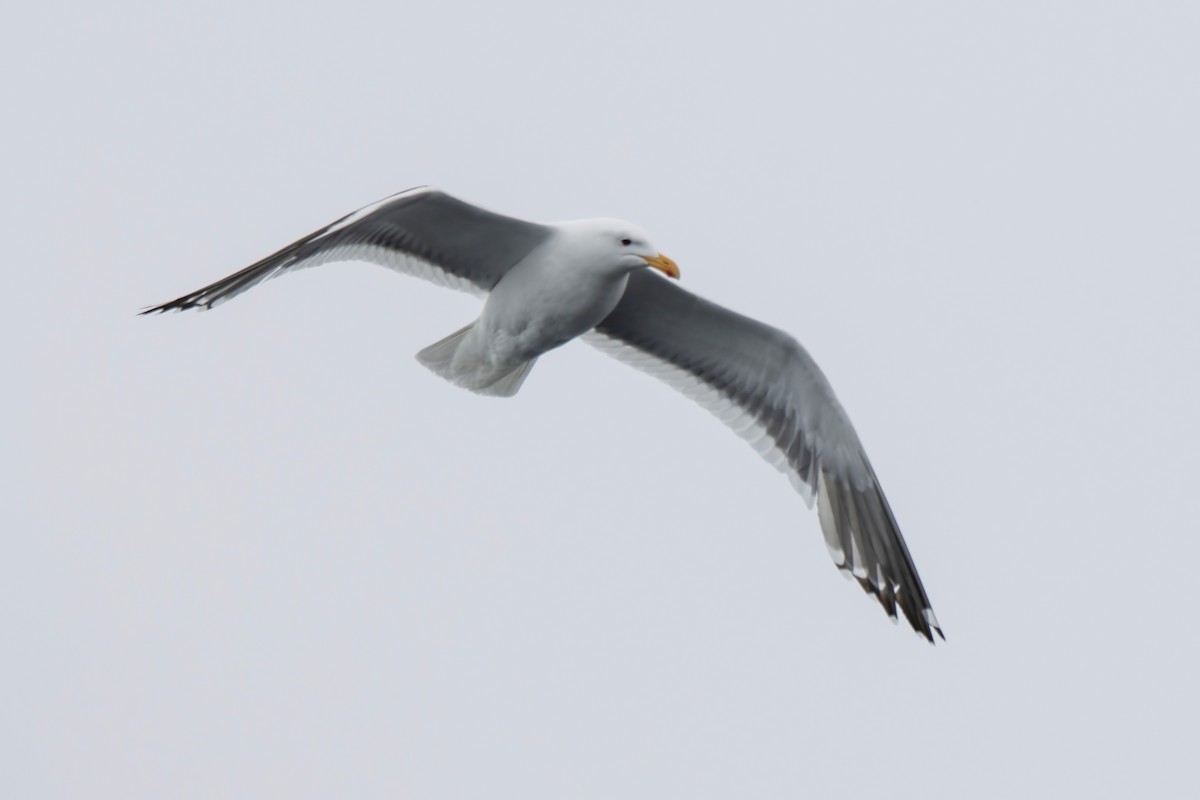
(546, 284)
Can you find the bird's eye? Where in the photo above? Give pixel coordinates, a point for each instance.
(627, 242)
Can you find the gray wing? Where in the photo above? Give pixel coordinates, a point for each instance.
(422, 232)
(762, 383)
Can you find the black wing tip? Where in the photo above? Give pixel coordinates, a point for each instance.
(182, 304)
(924, 622)
(891, 597)
(863, 524)
(930, 626)
(929, 631)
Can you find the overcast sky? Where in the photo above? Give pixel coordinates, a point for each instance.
(261, 552)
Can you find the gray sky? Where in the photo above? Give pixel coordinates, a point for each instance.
(261, 552)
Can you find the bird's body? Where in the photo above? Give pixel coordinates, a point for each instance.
(562, 289)
(546, 284)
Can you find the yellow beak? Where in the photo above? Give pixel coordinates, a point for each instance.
(664, 265)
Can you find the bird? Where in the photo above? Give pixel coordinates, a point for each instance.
(603, 281)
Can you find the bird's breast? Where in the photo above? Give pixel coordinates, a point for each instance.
(540, 306)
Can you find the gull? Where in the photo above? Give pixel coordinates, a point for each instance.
(544, 284)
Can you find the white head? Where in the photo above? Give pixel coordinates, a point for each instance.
(617, 246)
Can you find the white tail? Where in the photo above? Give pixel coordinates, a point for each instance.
(442, 357)
(439, 356)
(509, 383)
